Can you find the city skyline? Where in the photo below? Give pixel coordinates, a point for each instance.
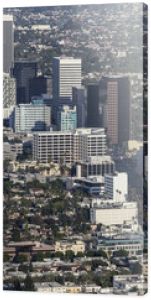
(74, 191)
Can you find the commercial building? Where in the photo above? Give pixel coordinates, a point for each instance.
(38, 86)
(115, 97)
(9, 91)
(113, 214)
(80, 101)
(116, 186)
(8, 43)
(69, 146)
(94, 106)
(30, 117)
(95, 166)
(92, 186)
(132, 243)
(66, 74)
(24, 70)
(66, 118)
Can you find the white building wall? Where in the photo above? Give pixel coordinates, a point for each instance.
(114, 216)
(116, 186)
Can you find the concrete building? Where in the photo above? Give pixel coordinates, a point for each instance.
(132, 243)
(66, 118)
(24, 70)
(69, 146)
(116, 186)
(115, 97)
(66, 74)
(12, 150)
(94, 106)
(95, 166)
(113, 214)
(80, 101)
(92, 186)
(8, 43)
(9, 91)
(65, 245)
(30, 117)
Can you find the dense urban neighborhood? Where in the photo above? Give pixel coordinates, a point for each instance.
(75, 149)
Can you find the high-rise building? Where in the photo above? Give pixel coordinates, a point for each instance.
(30, 117)
(38, 86)
(116, 186)
(9, 91)
(69, 146)
(115, 97)
(23, 71)
(79, 100)
(67, 118)
(66, 74)
(8, 43)
(94, 106)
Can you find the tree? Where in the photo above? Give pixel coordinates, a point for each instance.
(136, 268)
(101, 253)
(29, 284)
(20, 258)
(6, 257)
(16, 235)
(120, 253)
(38, 257)
(69, 255)
(23, 268)
(17, 285)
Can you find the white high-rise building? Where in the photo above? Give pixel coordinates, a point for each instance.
(8, 43)
(116, 186)
(66, 74)
(69, 146)
(31, 117)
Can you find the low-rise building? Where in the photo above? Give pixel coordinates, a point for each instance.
(132, 243)
(113, 214)
(12, 150)
(65, 245)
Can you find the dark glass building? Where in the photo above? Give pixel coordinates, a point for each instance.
(39, 85)
(24, 71)
(94, 106)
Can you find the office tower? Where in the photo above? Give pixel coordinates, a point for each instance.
(38, 86)
(23, 71)
(79, 100)
(30, 117)
(115, 96)
(8, 43)
(116, 186)
(94, 106)
(9, 91)
(95, 166)
(66, 74)
(69, 146)
(67, 118)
